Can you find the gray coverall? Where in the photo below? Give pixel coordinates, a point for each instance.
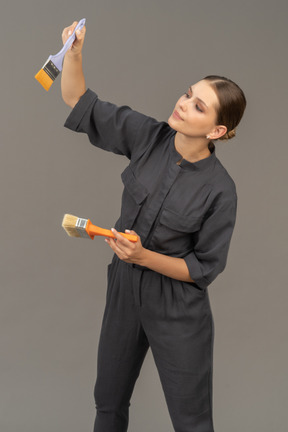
(180, 209)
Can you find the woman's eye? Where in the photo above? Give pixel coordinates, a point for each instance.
(199, 109)
(187, 95)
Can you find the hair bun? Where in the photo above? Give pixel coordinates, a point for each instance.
(229, 135)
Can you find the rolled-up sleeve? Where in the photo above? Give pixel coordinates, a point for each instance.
(211, 243)
(110, 127)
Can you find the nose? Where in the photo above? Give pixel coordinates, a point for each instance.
(183, 104)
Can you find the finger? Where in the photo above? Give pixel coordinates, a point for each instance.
(68, 31)
(79, 39)
(120, 238)
(111, 243)
(131, 232)
(123, 245)
(80, 34)
(71, 28)
(114, 246)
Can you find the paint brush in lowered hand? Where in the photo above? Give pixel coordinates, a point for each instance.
(54, 64)
(78, 227)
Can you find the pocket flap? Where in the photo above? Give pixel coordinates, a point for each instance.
(133, 186)
(179, 222)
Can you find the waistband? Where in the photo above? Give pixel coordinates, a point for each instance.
(133, 266)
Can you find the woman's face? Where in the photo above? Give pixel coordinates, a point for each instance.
(195, 113)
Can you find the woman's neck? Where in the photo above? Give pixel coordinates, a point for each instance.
(191, 149)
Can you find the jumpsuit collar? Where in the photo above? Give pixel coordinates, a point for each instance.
(202, 164)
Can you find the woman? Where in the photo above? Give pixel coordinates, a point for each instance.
(181, 202)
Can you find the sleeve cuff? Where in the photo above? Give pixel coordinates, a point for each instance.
(75, 117)
(195, 271)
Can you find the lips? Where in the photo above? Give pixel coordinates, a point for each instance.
(176, 115)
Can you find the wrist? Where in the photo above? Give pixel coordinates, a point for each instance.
(73, 55)
(144, 258)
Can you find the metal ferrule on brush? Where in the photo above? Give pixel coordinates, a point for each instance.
(80, 227)
(51, 70)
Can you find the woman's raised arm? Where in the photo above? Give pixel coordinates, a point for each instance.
(72, 78)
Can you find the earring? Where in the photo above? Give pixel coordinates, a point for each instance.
(208, 136)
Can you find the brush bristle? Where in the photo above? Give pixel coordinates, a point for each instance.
(74, 226)
(44, 79)
(69, 224)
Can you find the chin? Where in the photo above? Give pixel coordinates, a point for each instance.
(172, 122)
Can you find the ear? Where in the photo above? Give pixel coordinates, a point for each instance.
(218, 132)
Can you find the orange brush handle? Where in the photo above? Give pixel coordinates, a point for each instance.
(93, 230)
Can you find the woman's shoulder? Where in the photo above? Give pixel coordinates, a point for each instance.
(223, 183)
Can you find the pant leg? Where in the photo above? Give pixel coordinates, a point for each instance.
(122, 349)
(177, 320)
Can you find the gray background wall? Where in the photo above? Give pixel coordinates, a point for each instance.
(144, 54)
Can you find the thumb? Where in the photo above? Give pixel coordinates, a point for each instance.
(80, 35)
(131, 232)
(79, 40)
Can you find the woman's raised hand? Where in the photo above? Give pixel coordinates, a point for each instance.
(76, 47)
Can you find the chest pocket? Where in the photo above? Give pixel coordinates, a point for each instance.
(133, 197)
(174, 233)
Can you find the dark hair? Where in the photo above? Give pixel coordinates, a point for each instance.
(232, 103)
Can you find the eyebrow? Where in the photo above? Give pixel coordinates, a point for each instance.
(200, 100)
